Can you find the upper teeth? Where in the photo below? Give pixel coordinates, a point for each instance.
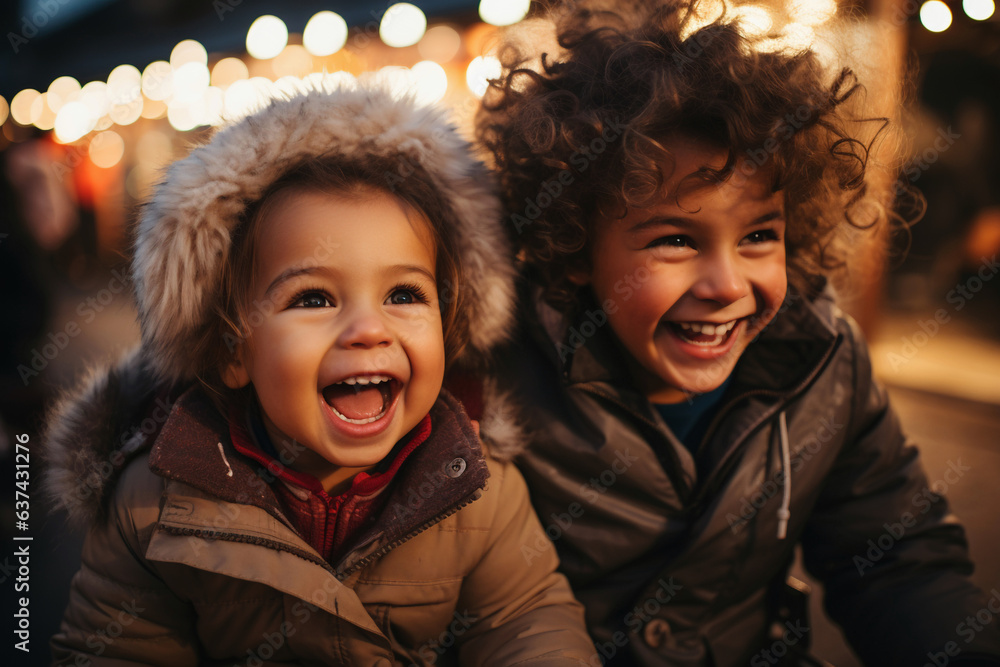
(707, 328)
(365, 379)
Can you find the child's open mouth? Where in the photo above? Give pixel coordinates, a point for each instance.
(361, 399)
(704, 334)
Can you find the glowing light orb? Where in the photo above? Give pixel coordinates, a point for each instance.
(503, 12)
(325, 34)
(402, 25)
(935, 16)
(266, 37)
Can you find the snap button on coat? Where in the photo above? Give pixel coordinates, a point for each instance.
(656, 632)
(455, 468)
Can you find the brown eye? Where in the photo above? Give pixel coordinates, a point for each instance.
(407, 294)
(761, 236)
(312, 300)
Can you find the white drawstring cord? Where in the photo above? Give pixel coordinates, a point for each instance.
(784, 513)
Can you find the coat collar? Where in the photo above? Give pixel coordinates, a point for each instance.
(796, 341)
(446, 471)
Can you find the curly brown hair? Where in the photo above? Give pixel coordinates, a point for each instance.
(581, 136)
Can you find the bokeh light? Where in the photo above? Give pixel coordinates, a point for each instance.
(431, 81)
(402, 25)
(812, 12)
(440, 44)
(126, 114)
(480, 71)
(228, 71)
(794, 38)
(935, 16)
(42, 116)
(755, 20)
(62, 90)
(4, 109)
(95, 96)
(267, 36)
(980, 10)
(325, 34)
(157, 80)
(182, 117)
(20, 106)
(73, 121)
(190, 82)
(124, 84)
(153, 109)
(295, 61)
(244, 97)
(188, 51)
(503, 12)
(106, 149)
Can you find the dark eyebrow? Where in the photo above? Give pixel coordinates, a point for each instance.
(413, 268)
(295, 272)
(677, 221)
(287, 275)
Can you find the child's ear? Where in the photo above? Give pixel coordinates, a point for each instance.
(234, 374)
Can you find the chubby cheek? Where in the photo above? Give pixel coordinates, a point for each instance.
(771, 283)
(283, 364)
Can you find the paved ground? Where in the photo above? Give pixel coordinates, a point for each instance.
(947, 431)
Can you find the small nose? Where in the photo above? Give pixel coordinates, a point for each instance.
(721, 280)
(364, 329)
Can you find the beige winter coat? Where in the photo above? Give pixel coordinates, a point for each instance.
(191, 561)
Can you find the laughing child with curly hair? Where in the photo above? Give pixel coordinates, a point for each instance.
(695, 403)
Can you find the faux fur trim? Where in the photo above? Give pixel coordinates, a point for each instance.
(502, 426)
(184, 232)
(87, 443)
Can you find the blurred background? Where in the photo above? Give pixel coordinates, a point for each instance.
(97, 96)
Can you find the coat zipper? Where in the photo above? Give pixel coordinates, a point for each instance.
(305, 555)
(721, 470)
(413, 533)
(679, 484)
(248, 539)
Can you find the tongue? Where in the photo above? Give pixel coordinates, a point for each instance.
(355, 401)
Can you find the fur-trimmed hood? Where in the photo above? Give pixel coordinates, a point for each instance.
(183, 240)
(184, 232)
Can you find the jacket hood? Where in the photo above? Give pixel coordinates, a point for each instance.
(183, 240)
(184, 232)
(93, 431)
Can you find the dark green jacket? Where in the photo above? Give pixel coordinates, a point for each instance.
(679, 561)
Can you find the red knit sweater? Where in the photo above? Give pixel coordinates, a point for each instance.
(327, 522)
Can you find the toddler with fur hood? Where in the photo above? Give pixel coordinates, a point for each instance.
(275, 475)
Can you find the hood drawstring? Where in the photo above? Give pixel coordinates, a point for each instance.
(784, 513)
